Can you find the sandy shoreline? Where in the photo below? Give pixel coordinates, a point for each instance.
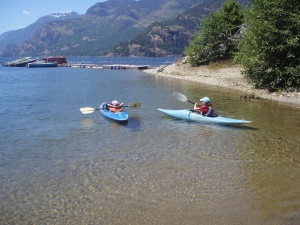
(230, 77)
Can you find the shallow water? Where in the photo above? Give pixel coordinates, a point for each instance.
(59, 166)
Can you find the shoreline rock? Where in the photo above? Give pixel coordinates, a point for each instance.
(226, 77)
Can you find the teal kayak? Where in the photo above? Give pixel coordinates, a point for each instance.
(116, 116)
(186, 114)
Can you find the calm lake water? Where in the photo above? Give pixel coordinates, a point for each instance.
(58, 166)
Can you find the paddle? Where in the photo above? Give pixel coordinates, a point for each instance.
(87, 110)
(181, 97)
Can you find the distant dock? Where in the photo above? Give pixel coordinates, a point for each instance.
(111, 67)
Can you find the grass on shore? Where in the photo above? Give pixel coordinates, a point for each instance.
(217, 65)
(222, 64)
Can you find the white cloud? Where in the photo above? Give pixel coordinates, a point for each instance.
(26, 12)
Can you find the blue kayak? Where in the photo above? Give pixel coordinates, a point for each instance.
(186, 114)
(116, 116)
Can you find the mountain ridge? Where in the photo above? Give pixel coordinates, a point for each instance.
(104, 26)
(171, 37)
(23, 34)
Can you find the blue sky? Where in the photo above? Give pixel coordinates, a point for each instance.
(16, 14)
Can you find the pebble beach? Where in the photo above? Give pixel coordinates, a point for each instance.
(224, 77)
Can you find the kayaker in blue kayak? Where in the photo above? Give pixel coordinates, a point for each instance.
(115, 106)
(206, 108)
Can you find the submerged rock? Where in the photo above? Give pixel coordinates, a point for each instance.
(249, 97)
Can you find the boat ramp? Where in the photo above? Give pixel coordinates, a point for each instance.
(20, 62)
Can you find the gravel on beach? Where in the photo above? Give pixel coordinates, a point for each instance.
(227, 77)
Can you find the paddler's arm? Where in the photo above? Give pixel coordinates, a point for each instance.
(196, 107)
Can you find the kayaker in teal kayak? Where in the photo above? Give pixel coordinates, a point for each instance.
(115, 106)
(206, 108)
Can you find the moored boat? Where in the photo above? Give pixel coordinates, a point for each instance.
(189, 115)
(39, 64)
(116, 116)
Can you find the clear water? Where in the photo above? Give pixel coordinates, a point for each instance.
(58, 166)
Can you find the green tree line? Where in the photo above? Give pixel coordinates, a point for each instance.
(269, 49)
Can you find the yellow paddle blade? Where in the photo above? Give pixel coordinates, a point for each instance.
(87, 110)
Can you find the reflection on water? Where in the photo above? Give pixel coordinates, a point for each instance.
(69, 168)
(88, 123)
(134, 123)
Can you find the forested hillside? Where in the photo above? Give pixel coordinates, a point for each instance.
(104, 25)
(169, 38)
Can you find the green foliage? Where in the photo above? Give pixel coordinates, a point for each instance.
(232, 14)
(213, 42)
(207, 45)
(270, 50)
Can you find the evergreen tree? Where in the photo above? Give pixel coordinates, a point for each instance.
(208, 44)
(213, 41)
(270, 50)
(232, 14)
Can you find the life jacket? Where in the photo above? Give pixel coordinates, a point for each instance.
(115, 108)
(210, 112)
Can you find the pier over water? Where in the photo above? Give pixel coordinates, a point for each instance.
(111, 67)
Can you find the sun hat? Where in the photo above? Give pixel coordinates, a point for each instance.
(114, 102)
(205, 99)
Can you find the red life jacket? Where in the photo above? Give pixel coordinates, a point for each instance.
(115, 108)
(207, 111)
